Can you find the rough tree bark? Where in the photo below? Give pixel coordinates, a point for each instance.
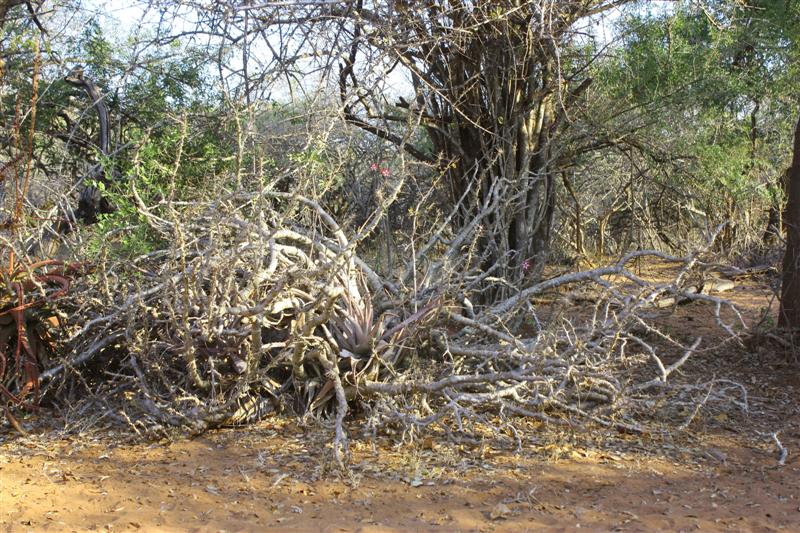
(790, 290)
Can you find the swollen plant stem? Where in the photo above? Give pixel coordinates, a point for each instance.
(189, 346)
(340, 446)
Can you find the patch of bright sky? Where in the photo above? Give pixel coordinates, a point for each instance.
(127, 23)
(130, 22)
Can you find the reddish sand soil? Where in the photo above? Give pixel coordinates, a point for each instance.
(265, 479)
(721, 474)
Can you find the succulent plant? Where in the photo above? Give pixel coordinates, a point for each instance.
(355, 328)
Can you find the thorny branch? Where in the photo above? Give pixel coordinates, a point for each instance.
(261, 304)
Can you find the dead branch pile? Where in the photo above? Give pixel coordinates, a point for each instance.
(261, 303)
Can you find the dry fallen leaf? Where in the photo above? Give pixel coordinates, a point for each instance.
(500, 511)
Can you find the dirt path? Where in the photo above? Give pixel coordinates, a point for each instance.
(267, 478)
(720, 475)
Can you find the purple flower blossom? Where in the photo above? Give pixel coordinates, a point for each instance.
(526, 265)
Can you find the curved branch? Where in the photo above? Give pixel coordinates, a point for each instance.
(91, 201)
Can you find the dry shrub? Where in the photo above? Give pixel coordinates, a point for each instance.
(261, 303)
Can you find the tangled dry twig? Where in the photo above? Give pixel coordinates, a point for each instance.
(262, 302)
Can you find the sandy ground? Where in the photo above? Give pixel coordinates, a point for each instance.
(721, 474)
(267, 479)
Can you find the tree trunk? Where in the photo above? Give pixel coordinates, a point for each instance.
(772, 233)
(491, 92)
(497, 142)
(790, 291)
(577, 219)
(516, 195)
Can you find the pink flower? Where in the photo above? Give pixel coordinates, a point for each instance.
(385, 172)
(373, 166)
(526, 265)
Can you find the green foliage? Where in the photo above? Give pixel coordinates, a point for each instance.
(148, 94)
(316, 160)
(155, 174)
(96, 53)
(122, 234)
(168, 85)
(713, 87)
